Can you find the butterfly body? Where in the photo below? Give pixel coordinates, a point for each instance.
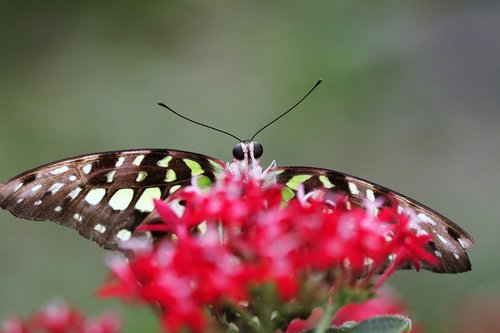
(105, 196)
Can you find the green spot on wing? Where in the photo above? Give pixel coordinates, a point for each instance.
(164, 162)
(145, 202)
(170, 176)
(294, 182)
(326, 182)
(174, 188)
(194, 166)
(217, 166)
(287, 194)
(203, 181)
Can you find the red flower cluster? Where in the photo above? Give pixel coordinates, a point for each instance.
(60, 318)
(252, 240)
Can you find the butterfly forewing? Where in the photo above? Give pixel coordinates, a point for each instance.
(449, 241)
(103, 196)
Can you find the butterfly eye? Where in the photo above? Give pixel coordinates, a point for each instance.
(238, 152)
(257, 149)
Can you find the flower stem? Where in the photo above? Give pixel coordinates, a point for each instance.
(326, 321)
(246, 316)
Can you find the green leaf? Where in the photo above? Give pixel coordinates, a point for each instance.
(382, 324)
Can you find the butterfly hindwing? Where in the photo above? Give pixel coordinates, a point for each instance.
(449, 240)
(103, 196)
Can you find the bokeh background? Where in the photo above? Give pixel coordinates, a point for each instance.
(410, 101)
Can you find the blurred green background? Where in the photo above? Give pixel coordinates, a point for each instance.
(410, 101)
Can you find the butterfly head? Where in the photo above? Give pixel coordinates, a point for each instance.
(247, 151)
(246, 156)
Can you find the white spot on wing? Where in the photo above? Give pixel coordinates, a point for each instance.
(110, 175)
(72, 178)
(18, 186)
(38, 203)
(123, 235)
(145, 202)
(456, 255)
(442, 239)
(421, 232)
(20, 200)
(438, 253)
(73, 194)
(121, 199)
(100, 228)
(426, 218)
(59, 170)
(78, 217)
(56, 187)
(58, 209)
(36, 187)
(86, 168)
(120, 161)
(173, 189)
(141, 176)
(353, 188)
(463, 243)
(370, 195)
(138, 160)
(95, 196)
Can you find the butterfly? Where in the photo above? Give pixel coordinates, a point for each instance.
(105, 196)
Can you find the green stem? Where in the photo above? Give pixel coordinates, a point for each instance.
(326, 321)
(246, 316)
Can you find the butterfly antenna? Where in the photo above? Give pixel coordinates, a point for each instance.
(198, 123)
(290, 109)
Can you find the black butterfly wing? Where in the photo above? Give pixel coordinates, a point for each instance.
(104, 196)
(449, 241)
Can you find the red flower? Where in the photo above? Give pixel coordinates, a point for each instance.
(251, 241)
(406, 244)
(14, 324)
(108, 323)
(301, 325)
(57, 318)
(60, 318)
